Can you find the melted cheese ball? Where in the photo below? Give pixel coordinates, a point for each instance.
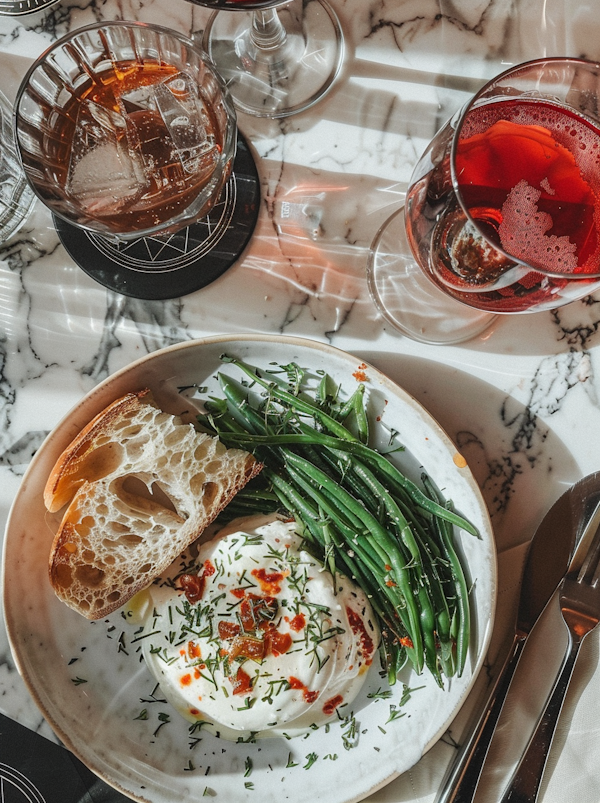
(257, 639)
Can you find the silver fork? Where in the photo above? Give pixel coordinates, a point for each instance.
(579, 597)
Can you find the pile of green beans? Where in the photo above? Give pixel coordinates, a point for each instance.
(356, 510)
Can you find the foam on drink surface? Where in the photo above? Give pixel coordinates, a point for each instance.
(538, 165)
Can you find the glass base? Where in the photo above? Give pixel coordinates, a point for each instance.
(409, 300)
(281, 80)
(171, 266)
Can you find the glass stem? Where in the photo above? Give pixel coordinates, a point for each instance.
(267, 32)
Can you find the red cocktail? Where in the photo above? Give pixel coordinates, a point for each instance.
(503, 210)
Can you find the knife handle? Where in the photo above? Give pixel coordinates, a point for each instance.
(527, 777)
(462, 779)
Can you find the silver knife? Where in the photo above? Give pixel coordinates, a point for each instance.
(547, 561)
(525, 781)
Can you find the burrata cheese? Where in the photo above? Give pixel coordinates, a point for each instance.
(257, 637)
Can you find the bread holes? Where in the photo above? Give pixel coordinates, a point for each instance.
(132, 431)
(134, 448)
(100, 462)
(201, 451)
(176, 459)
(197, 482)
(138, 497)
(84, 527)
(89, 576)
(127, 540)
(209, 492)
(62, 575)
(117, 527)
(137, 491)
(177, 435)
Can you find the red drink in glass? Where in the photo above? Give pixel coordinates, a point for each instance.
(504, 210)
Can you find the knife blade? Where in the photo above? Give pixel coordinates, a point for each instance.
(547, 561)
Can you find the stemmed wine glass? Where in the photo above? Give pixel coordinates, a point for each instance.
(277, 57)
(502, 214)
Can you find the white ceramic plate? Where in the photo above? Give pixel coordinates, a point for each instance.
(87, 677)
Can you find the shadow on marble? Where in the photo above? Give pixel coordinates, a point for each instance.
(544, 334)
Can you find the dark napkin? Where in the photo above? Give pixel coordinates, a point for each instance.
(36, 770)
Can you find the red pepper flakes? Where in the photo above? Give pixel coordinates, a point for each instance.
(247, 647)
(193, 650)
(297, 623)
(405, 641)
(270, 582)
(186, 679)
(241, 682)
(276, 643)
(309, 696)
(247, 615)
(358, 628)
(193, 586)
(330, 706)
(360, 374)
(228, 630)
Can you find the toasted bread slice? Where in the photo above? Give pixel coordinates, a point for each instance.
(140, 486)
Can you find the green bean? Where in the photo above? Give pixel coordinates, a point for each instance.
(383, 543)
(463, 623)
(366, 571)
(300, 504)
(359, 513)
(294, 401)
(367, 554)
(355, 406)
(352, 445)
(373, 458)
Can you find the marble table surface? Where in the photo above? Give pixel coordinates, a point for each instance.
(521, 401)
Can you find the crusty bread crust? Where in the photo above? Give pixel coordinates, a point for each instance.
(140, 486)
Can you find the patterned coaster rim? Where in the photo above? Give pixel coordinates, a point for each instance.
(160, 268)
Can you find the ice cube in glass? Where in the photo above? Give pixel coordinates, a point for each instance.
(106, 170)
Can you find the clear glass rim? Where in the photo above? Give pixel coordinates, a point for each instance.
(233, 5)
(513, 71)
(229, 135)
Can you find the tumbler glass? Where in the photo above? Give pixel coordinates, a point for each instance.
(16, 196)
(126, 130)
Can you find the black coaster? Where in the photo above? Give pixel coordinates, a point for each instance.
(158, 268)
(35, 770)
